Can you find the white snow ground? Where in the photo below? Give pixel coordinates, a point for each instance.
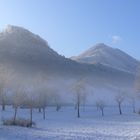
(64, 125)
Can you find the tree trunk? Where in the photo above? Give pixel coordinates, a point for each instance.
(78, 106)
(15, 114)
(58, 107)
(44, 115)
(31, 116)
(39, 110)
(3, 106)
(102, 111)
(133, 105)
(120, 109)
(78, 109)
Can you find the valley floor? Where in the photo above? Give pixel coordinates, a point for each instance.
(64, 125)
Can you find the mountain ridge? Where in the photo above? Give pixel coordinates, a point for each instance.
(27, 55)
(106, 55)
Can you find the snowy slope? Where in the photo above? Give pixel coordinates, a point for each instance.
(103, 54)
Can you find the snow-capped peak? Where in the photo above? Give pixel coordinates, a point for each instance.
(100, 46)
(12, 28)
(106, 55)
(20, 32)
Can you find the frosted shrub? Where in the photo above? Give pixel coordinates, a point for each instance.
(19, 122)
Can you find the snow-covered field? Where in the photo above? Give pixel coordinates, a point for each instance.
(64, 125)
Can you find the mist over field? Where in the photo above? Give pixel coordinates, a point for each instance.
(69, 70)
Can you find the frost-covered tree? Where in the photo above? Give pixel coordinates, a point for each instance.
(119, 99)
(79, 89)
(136, 89)
(31, 100)
(132, 96)
(4, 87)
(42, 91)
(57, 101)
(133, 103)
(54, 97)
(42, 101)
(100, 104)
(18, 99)
(39, 109)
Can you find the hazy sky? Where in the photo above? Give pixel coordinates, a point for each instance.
(72, 26)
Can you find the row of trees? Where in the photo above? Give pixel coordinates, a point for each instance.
(29, 98)
(36, 94)
(30, 95)
(121, 96)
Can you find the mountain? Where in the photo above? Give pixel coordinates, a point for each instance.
(23, 51)
(112, 57)
(25, 55)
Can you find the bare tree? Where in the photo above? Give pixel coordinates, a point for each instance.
(78, 104)
(101, 105)
(136, 87)
(79, 88)
(31, 90)
(43, 101)
(31, 100)
(17, 100)
(84, 99)
(133, 104)
(44, 104)
(42, 91)
(4, 84)
(132, 99)
(57, 101)
(119, 99)
(54, 97)
(39, 109)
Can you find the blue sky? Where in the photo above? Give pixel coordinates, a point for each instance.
(72, 26)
